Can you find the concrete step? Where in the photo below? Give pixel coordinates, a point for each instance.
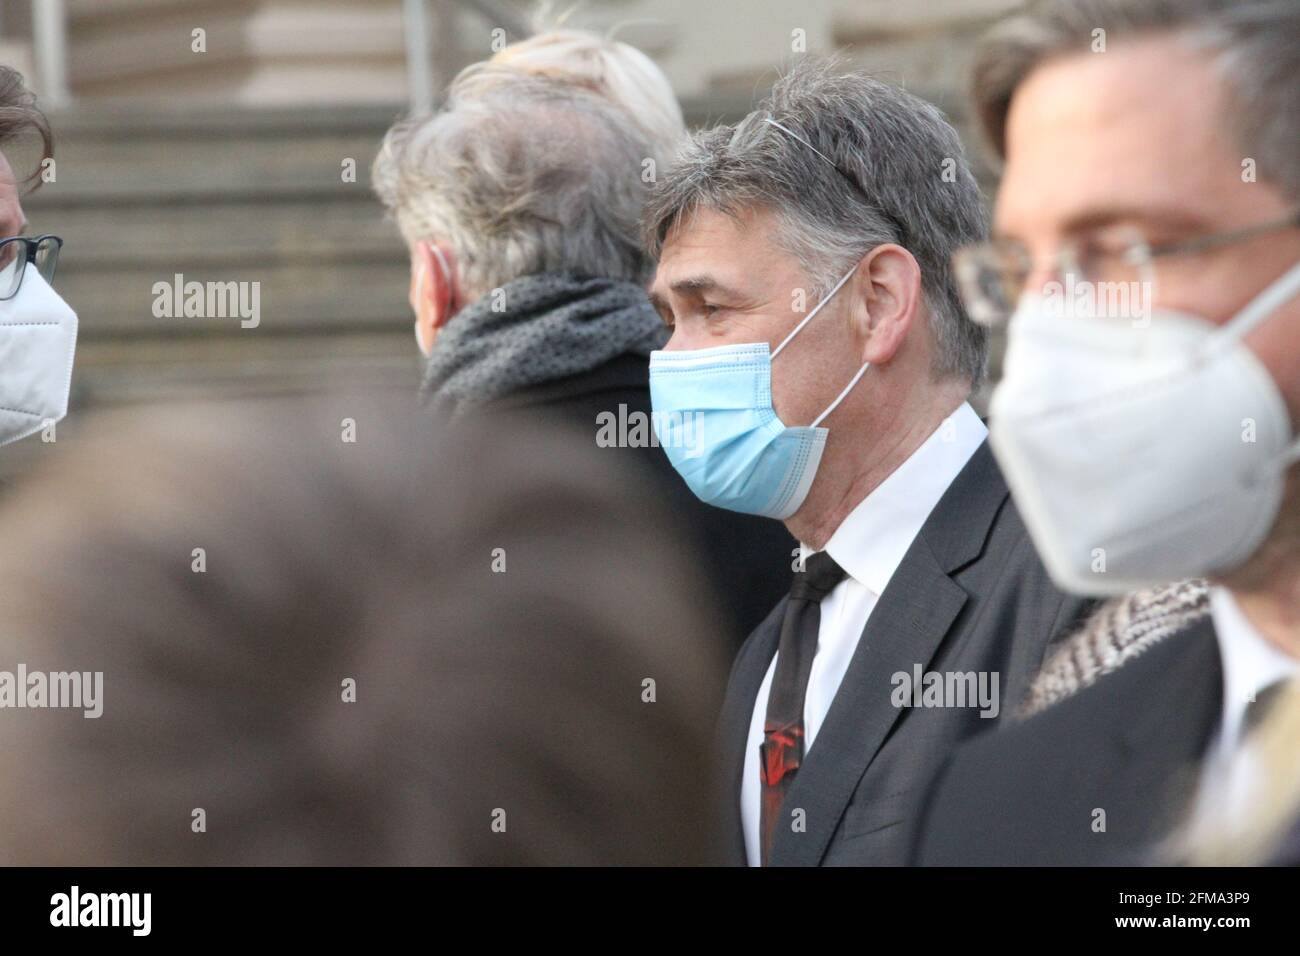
(286, 51)
(106, 154)
(223, 196)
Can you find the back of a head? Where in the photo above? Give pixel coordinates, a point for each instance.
(521, 174)
(433, 644)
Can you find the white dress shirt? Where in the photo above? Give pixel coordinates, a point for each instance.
(869, 545)
(1250, 663)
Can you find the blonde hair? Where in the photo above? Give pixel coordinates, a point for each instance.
(1276, 750)
(615, 70)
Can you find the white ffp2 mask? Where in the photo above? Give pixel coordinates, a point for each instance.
(1142, 454)
(38, 337)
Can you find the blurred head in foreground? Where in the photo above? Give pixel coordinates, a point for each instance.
(331, 634)
(1146, 262)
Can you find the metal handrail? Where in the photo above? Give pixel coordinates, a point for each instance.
(419, 49)
(419, 57)
(50, 44)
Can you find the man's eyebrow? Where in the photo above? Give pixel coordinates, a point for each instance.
(692, 285)
(698, 285)
(1179, 220)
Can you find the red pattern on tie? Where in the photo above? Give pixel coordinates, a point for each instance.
(782, 752)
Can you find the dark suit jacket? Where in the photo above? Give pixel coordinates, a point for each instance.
(746, 560)
(1128, 745)
(970, 595)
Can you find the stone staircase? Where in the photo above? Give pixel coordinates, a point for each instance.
(226, 195)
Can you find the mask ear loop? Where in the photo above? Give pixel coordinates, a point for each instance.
(445, 267)
(809, 317)
(442, 262)
(848, 388)
(1281, 463)
(1273, 297)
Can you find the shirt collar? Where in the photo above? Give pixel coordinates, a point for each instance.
(1250, 662)
(871, 541)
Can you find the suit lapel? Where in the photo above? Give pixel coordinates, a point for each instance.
(906, 627)
(1162, 736)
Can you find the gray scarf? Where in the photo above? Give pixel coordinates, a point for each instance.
(537, 329)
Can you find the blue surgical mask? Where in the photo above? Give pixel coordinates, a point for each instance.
(713, 416)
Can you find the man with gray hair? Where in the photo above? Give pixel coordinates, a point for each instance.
(820, 342)
(1148, 144)
(519, 202)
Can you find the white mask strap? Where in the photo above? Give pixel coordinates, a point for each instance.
(1291, 455)
(1273, 297)
(847, 388)
(817, 308)
(442, 262)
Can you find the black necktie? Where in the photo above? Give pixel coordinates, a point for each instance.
(782, 749)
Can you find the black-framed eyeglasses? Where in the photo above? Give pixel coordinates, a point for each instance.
(17, 252)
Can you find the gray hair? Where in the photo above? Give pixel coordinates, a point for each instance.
(1257, 52)
(913, 187)
(520, 175)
